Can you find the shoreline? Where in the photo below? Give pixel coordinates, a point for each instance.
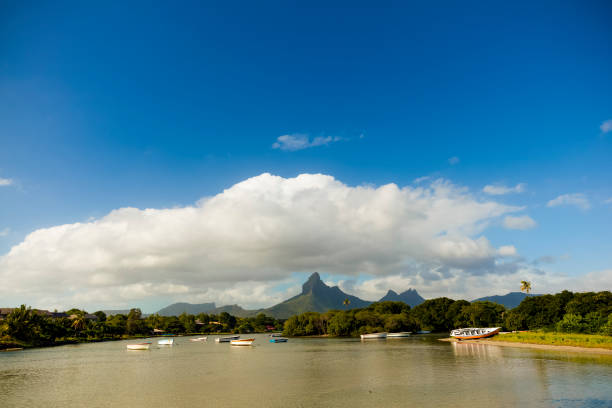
(549, 347)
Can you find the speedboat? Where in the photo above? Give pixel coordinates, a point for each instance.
(372, 336)
(165, 342)
(243, 342)
(474, 333)
(398, 335)
(199, 338)
(279, 340)
(226, 339)
(139, 346)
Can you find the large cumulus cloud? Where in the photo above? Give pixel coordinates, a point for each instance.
(259, 230)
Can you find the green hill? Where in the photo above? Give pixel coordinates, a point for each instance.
(316, 296)
(177, 309)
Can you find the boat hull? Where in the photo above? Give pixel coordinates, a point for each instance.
(374, 336)
(140, 346)
(474, 333)
(243, 342)
(279, 340)
(199, 339)
(226, 339)
(165, 342)
(398, 335)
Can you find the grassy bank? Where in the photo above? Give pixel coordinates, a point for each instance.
(557, 339)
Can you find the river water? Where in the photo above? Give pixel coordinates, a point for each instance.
(313, 372)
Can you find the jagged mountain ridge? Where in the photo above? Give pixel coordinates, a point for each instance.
(316, 296)
(411, 297)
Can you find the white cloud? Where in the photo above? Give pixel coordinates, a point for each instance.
(4, 232)
(5, 182)
(453, 160)
(608, 201)
(507, 251)
(259, 230)
(521, 222)
(606, 126)
(298, 141)
(577, 199)
(499, 189)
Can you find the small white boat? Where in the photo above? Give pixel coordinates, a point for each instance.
(139, 346)
(398, 335)
(165, 342)
(199, 338)
(276, 335)
(243, 342)
(372, 336)
(279, 340)
(474, 333)
(226, 339)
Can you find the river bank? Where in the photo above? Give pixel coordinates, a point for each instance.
(582, 343)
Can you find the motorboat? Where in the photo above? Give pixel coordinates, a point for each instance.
(242, 342)
(474, 333)
(424, 332)
(373, 336)
(139, 346)
(398, 335)
(199, 339)
(276, 335)
(279, 340)
(226, 339)
(165, 342)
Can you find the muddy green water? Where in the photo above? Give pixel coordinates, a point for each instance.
(418, 371)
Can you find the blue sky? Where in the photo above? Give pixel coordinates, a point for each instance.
(153, 105)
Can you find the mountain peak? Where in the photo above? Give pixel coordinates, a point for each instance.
(313, 282)
(410, 297)
(391, 293)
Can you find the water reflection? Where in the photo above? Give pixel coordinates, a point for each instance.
(302, 372)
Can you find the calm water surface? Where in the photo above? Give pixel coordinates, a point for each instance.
(304, 373)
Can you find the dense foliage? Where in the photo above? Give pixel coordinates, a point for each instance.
(26, 327)
(567, 312)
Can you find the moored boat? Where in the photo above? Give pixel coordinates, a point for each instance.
(242, 342)
(279, 340)
(276, 335)
(373, 336)
(424, 332)
(226, 339)
(398, 335)
(474, 333)
(139, 346)
(165, 342)
(199, 338)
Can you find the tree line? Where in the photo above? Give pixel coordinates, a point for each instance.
(27, 327)
(566, 312)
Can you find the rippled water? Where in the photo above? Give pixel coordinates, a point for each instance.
(304, 373)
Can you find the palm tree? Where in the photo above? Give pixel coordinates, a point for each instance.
(525, 286)
(78, 323)
(346, 302)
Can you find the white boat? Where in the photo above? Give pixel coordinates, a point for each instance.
(279, 340)
(139, 346)
(474, 332)
(398, 335)
(276, 335)
(199, 338)
(165, 342)
(371, 336)
(226, 339)
(243, 342)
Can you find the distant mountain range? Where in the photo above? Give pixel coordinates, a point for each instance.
(316, 296)
(411, 297)
(177, 309)
(510, 301)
